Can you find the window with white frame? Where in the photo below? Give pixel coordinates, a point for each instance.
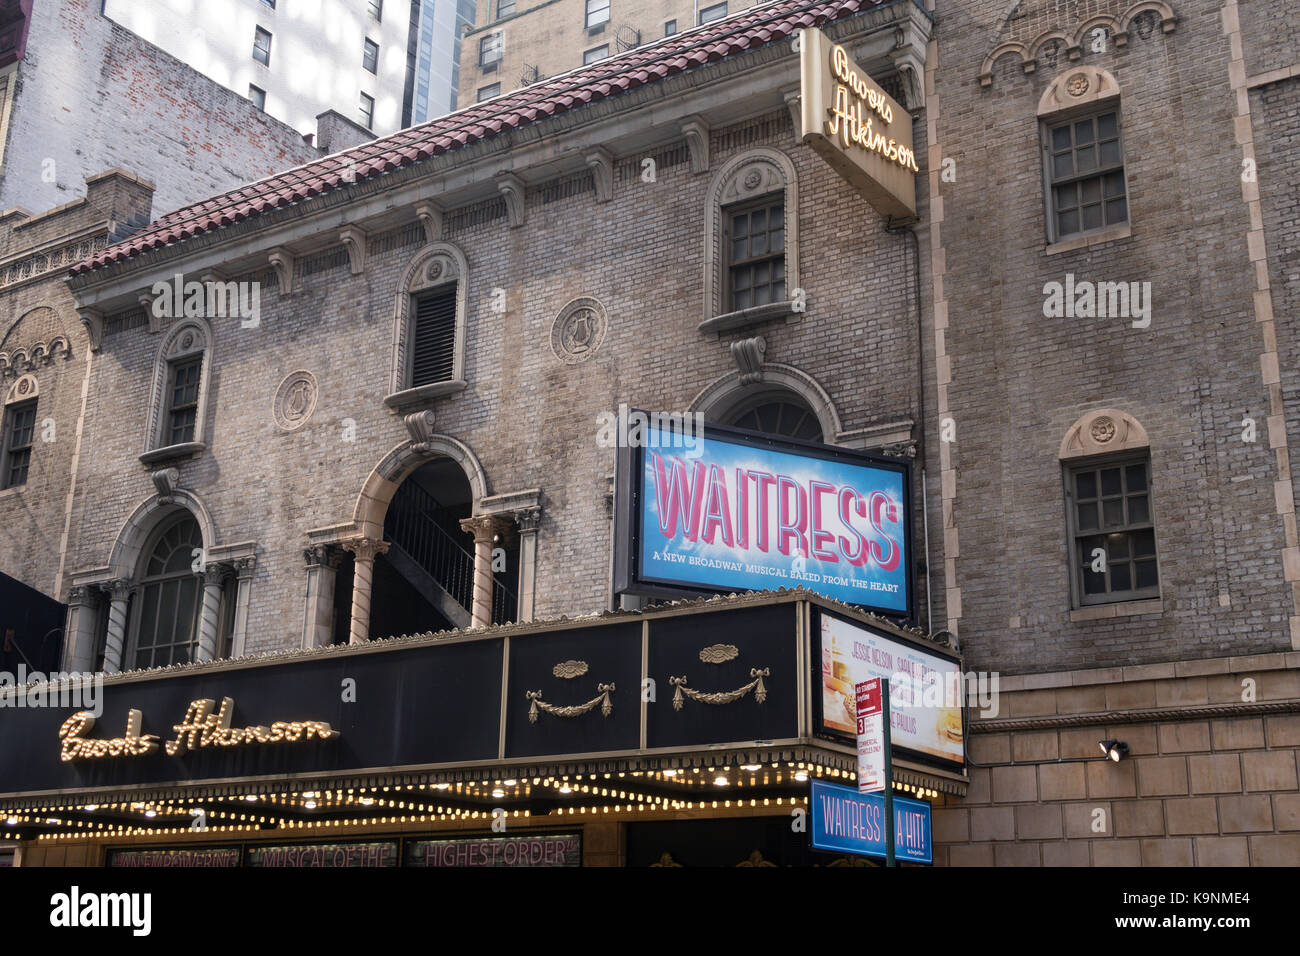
(715, 12)
(489, 50)
(597, 13)
(262, 46)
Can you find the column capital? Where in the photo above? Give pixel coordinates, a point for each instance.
(321, 556)
(529, 519)
(244, 567)
(214, 573)
(82, 595)
(364, 548)
(118, 590)
(483, 527)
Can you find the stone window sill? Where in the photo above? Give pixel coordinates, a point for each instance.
(415, 397)
(184, 450)
(11, 491)
(1090, 240)
(744, 318)
(1099, 612)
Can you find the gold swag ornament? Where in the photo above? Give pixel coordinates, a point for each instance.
(722, 697)
(573, 710)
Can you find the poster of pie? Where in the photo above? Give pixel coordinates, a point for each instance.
(924, 694)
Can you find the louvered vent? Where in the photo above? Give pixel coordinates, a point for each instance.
(433, 352)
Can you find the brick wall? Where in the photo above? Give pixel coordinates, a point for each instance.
(1019, 380)
(529, 418)
(1214, 786)
(34, 310)
(93, 95)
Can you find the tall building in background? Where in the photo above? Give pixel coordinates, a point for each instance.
(522, 42)
(433, 57)
(293, 58)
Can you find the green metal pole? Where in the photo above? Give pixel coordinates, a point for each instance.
(889, 776)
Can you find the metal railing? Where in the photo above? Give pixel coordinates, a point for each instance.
(412, 524)
(415, 523)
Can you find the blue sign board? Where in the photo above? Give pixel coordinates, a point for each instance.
(845, 821)
(727, 511)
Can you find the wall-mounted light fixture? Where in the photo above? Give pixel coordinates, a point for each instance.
(1116, 750)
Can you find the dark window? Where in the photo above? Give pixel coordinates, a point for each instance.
(489, 50)
(377, 9)
(269, 3)
(505, 8)
(755, 249)
(370, 56)
(19, 436)
(1113, 530)
(258, 96)
(166, 606)
(262, 46)
(183, 400)
(670, 28)
(1085, 168)
(597, 13)
(780, 417)
(594, 54)
(433, 336)
(487, 92)
(715, 12)
(367, 111)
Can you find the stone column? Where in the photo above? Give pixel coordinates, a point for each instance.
(485, 529)
(243, 582)
(529, 520)
(210, 615)
(322, 572)
(119, 592)
(363, 574)
(79, 631)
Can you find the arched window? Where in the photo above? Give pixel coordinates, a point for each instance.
(1083, 156)
(777, 414)
(751, 235)
(168, 599)
(1110, 510)
(178, 408)
(429, 338)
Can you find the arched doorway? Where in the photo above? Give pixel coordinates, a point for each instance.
(424, 581)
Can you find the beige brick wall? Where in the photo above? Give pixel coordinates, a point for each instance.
(1209, 780)
(529, 418)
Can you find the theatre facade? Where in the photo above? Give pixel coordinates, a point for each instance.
(533, 486)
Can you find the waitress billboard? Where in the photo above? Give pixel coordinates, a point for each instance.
(733, 510)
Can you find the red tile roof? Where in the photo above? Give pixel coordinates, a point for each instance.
(648, 64)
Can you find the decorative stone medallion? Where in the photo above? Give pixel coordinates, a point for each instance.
(1077, 85)
(295, 400)
(579, 330)
(1103, 429)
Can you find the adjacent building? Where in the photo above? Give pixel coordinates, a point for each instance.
(349, 418)
(293, 58)
(516, 43)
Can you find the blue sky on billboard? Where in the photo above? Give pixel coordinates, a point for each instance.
(741, 517)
